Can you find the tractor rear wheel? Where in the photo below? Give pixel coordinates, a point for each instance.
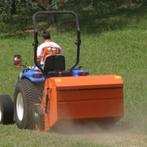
(26, 95)
(6, 109)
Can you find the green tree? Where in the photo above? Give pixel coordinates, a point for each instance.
(5, 10)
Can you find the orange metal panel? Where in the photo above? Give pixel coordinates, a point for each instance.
(88, 81)
(89, 94)
(49, 104)
(85, 97)
(97, 103)
(90, 109)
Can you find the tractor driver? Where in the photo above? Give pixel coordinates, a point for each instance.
(48, 47)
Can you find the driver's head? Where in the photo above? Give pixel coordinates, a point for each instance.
(46, 35)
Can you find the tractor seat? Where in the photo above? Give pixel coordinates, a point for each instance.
(54, 64)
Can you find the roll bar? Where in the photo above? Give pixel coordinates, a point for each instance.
(78, 41)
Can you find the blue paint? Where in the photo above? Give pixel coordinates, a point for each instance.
(29, 73)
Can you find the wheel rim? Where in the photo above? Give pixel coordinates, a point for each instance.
(0, 114)
(20, 106)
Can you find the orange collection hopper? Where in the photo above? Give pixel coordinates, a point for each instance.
(82, 97)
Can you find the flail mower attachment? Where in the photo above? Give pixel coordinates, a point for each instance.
(79, 98)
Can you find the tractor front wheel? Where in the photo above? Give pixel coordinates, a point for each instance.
(6, 109)
(26, 95)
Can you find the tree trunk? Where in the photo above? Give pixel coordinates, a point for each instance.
(130, 3)
(50, 2)
(13, 9)
(23, 1)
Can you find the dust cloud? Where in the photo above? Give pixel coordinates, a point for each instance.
(130, 132)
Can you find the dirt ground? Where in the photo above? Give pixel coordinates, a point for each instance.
(122, 134)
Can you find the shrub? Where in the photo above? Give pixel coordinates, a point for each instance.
(5, 10)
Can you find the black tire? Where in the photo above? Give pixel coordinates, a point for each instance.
(28, 94)
(6, 109)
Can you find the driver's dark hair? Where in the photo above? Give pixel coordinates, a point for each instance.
(46, 35)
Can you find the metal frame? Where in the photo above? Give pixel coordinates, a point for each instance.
(78, 41)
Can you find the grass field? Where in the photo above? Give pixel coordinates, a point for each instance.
(121, 51)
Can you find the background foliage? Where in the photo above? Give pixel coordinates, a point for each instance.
(18, 13)
(5, 10)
